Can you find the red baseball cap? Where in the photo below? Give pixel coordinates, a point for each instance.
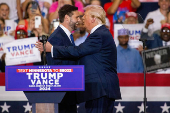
(167, 25)
(21, 27)
(131, 14)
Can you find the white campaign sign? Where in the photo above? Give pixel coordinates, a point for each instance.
(3, 41)
(22, 51)
(10, 26)
(134, 33)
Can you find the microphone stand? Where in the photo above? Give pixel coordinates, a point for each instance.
(143, 57)
(44, 48)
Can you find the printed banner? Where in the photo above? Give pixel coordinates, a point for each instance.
(134, 33)
(44, 78)
(158, 58)
(3, 41)
(21, 51)
(132, 92)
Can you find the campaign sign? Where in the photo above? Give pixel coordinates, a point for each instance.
(134, 33)
(10, 26)
(45, 78)
(21, 51)
(158, 58)
(3, 41)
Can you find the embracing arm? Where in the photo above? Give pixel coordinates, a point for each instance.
(90, 46)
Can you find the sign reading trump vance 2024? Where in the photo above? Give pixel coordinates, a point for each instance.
(44, 78)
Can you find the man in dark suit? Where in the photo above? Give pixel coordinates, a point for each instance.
(62, 37)
(99, 56)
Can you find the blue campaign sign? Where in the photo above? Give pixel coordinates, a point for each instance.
(45, 78)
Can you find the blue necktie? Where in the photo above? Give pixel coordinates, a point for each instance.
(72, 39)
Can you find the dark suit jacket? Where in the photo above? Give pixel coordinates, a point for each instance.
(153, 42)
(99, 56)
(59, 38)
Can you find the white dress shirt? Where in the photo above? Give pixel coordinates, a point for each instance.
(157, 17)
(68, 33)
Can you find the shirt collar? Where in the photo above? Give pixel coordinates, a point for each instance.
(121, 48)
(68, 33)
(94, 28)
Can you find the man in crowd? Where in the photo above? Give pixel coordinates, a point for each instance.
(99, 56)
(158, 41)
(154, 18)
(161, 40)
(128, 59)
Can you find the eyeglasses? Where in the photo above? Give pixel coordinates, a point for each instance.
(164, 30)
(21, 33)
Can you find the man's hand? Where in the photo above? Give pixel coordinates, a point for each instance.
(39, 45)
(48, 47)
(149, 22)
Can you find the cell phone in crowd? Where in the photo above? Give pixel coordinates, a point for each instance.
(37, 21)
(56, 24)
(34, 7)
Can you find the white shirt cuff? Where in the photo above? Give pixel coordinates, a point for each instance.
(145, 30)
(52, 51)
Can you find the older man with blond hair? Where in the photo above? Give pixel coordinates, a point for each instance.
(99, 56)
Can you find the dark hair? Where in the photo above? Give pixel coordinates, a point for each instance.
(73, 2)
(4, 4)
(66, 10)
(1, 19)
(31, 2)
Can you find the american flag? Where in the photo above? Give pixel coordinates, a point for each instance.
(158, 95)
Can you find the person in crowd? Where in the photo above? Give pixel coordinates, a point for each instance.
(21, 32)
(153, 19)
(156, 40)
(131, 18)
(80, 34)
(10, 26)
(29, 17)
(53, 12)
(98, 2)
(99, 56)
(2, 26)
(44, 6)
(4, 11)
(128, 59)
(116, 10)
(14, 9)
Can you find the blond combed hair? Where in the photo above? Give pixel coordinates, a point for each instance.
(97, 12)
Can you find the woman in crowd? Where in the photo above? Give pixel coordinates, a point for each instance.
(29, 17)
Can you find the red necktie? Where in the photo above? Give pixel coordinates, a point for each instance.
(88, 35)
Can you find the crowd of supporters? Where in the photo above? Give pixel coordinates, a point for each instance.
(21, 16)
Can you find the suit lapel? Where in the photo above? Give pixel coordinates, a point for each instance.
(65, 38)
